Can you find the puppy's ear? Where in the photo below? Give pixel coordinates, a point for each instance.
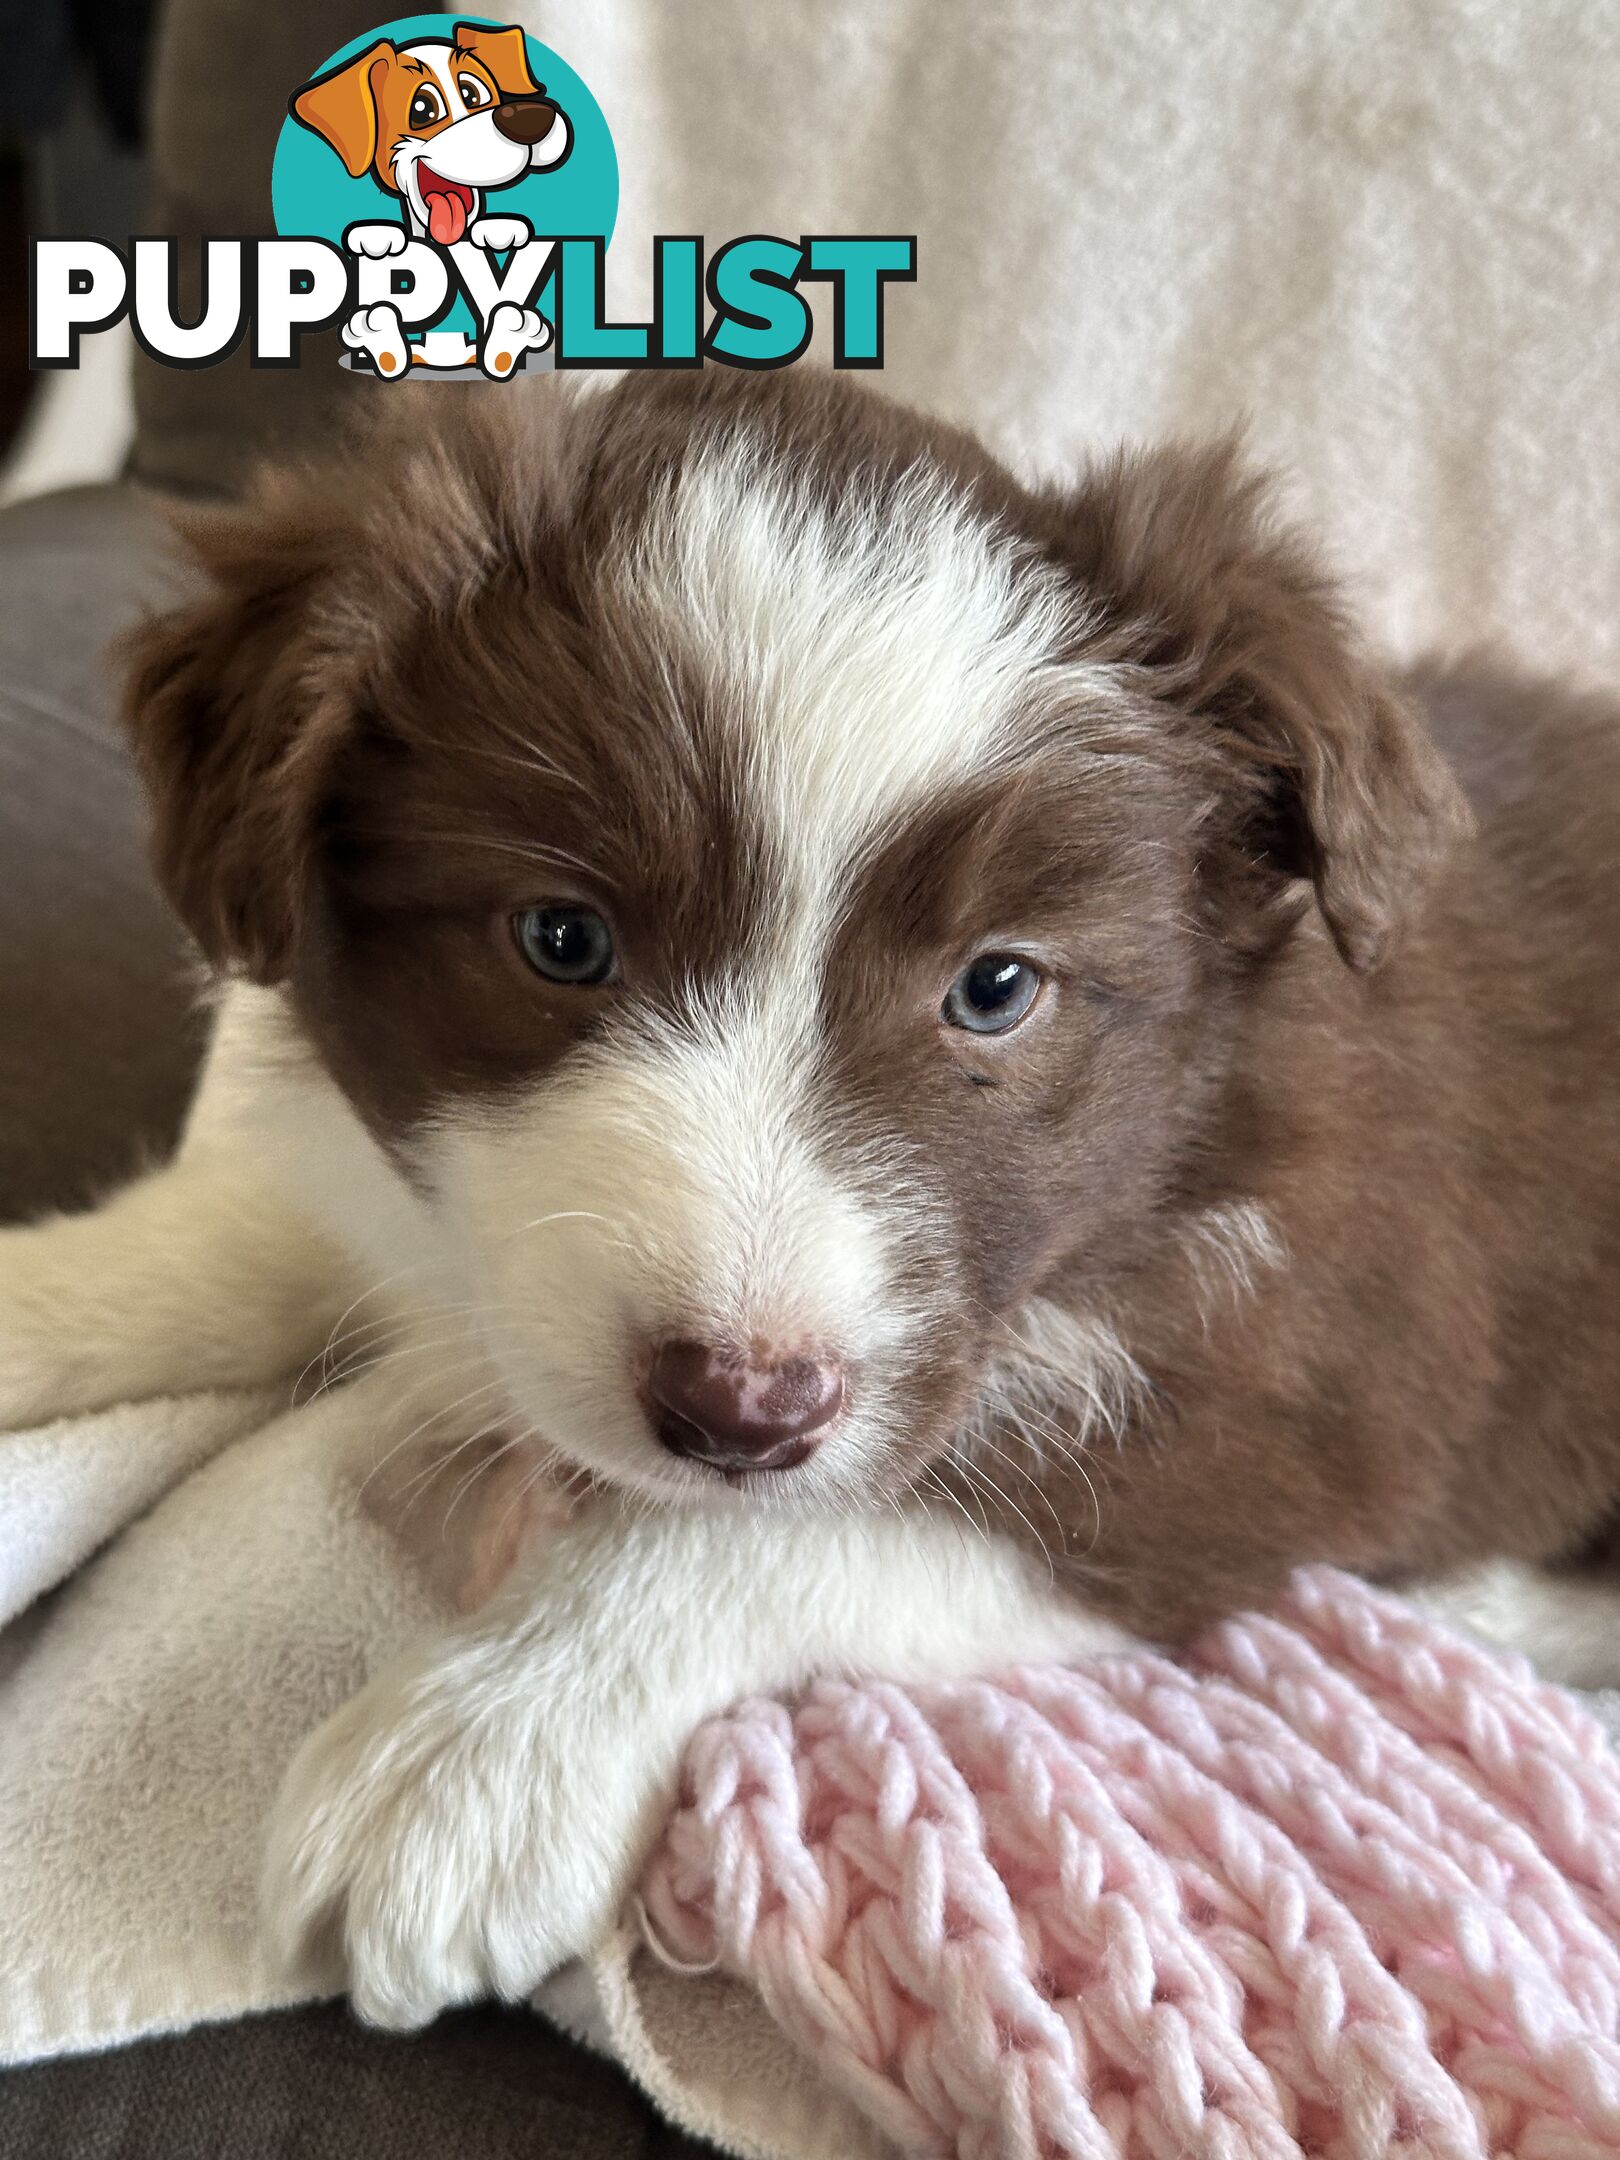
(342, 107)
(236, 712)
(504, 52)
(1321, 769)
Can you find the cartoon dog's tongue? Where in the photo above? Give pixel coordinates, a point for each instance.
(447, 203)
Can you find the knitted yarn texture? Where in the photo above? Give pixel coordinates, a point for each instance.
(1337, 1884)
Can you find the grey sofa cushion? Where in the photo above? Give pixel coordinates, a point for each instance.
(314, 2085)
(97, 1037)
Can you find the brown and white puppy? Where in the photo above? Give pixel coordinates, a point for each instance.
(960, 1053)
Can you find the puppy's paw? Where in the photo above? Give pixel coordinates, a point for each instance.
(376, 241)
(498, 234)
(432, 1844)
(509, 334)
(377, 330)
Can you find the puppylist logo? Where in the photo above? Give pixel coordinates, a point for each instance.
(453, 128)
(444, 191)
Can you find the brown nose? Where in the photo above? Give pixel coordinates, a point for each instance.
(525, 120)
(735, 1411)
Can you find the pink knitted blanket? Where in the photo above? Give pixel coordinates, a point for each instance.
(1336, 1885)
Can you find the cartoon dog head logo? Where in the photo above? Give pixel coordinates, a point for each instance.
(452, 121)
(439, 123)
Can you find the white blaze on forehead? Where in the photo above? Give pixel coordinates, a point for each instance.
(871, 652)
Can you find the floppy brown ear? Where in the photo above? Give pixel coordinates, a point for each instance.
(235, 713)
(504, 52)
(1325, 771)
(342, 107)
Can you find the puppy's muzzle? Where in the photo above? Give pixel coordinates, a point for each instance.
(525, 120)
(740, 1412)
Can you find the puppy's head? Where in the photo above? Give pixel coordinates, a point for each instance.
(438, 122)
(778, 889)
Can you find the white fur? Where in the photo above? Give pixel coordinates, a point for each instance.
(1567, 1625)
(874, 654)
(1051, 1359)
(1230, 1249)
(479, 1813)
(666, 1185)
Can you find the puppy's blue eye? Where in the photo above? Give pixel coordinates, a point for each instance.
(565, 944)
(991, 995)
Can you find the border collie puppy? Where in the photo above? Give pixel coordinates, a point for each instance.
(958, 1057)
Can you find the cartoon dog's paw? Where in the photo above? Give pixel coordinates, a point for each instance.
(498, 234)
(433, 1843)
(377, 330)
(510, 333)
(376, 241)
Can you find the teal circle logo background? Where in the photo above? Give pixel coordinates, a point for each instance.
(311, 191)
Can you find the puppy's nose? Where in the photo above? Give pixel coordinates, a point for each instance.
(525, 120)
(736, 1411)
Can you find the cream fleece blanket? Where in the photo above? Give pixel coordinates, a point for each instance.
(149, 1706)
(1384, 232)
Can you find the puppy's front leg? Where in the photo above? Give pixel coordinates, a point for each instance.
(478, 1814)
(198, 1276)
(212, 1271)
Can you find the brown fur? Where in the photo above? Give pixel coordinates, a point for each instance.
(409, 692)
